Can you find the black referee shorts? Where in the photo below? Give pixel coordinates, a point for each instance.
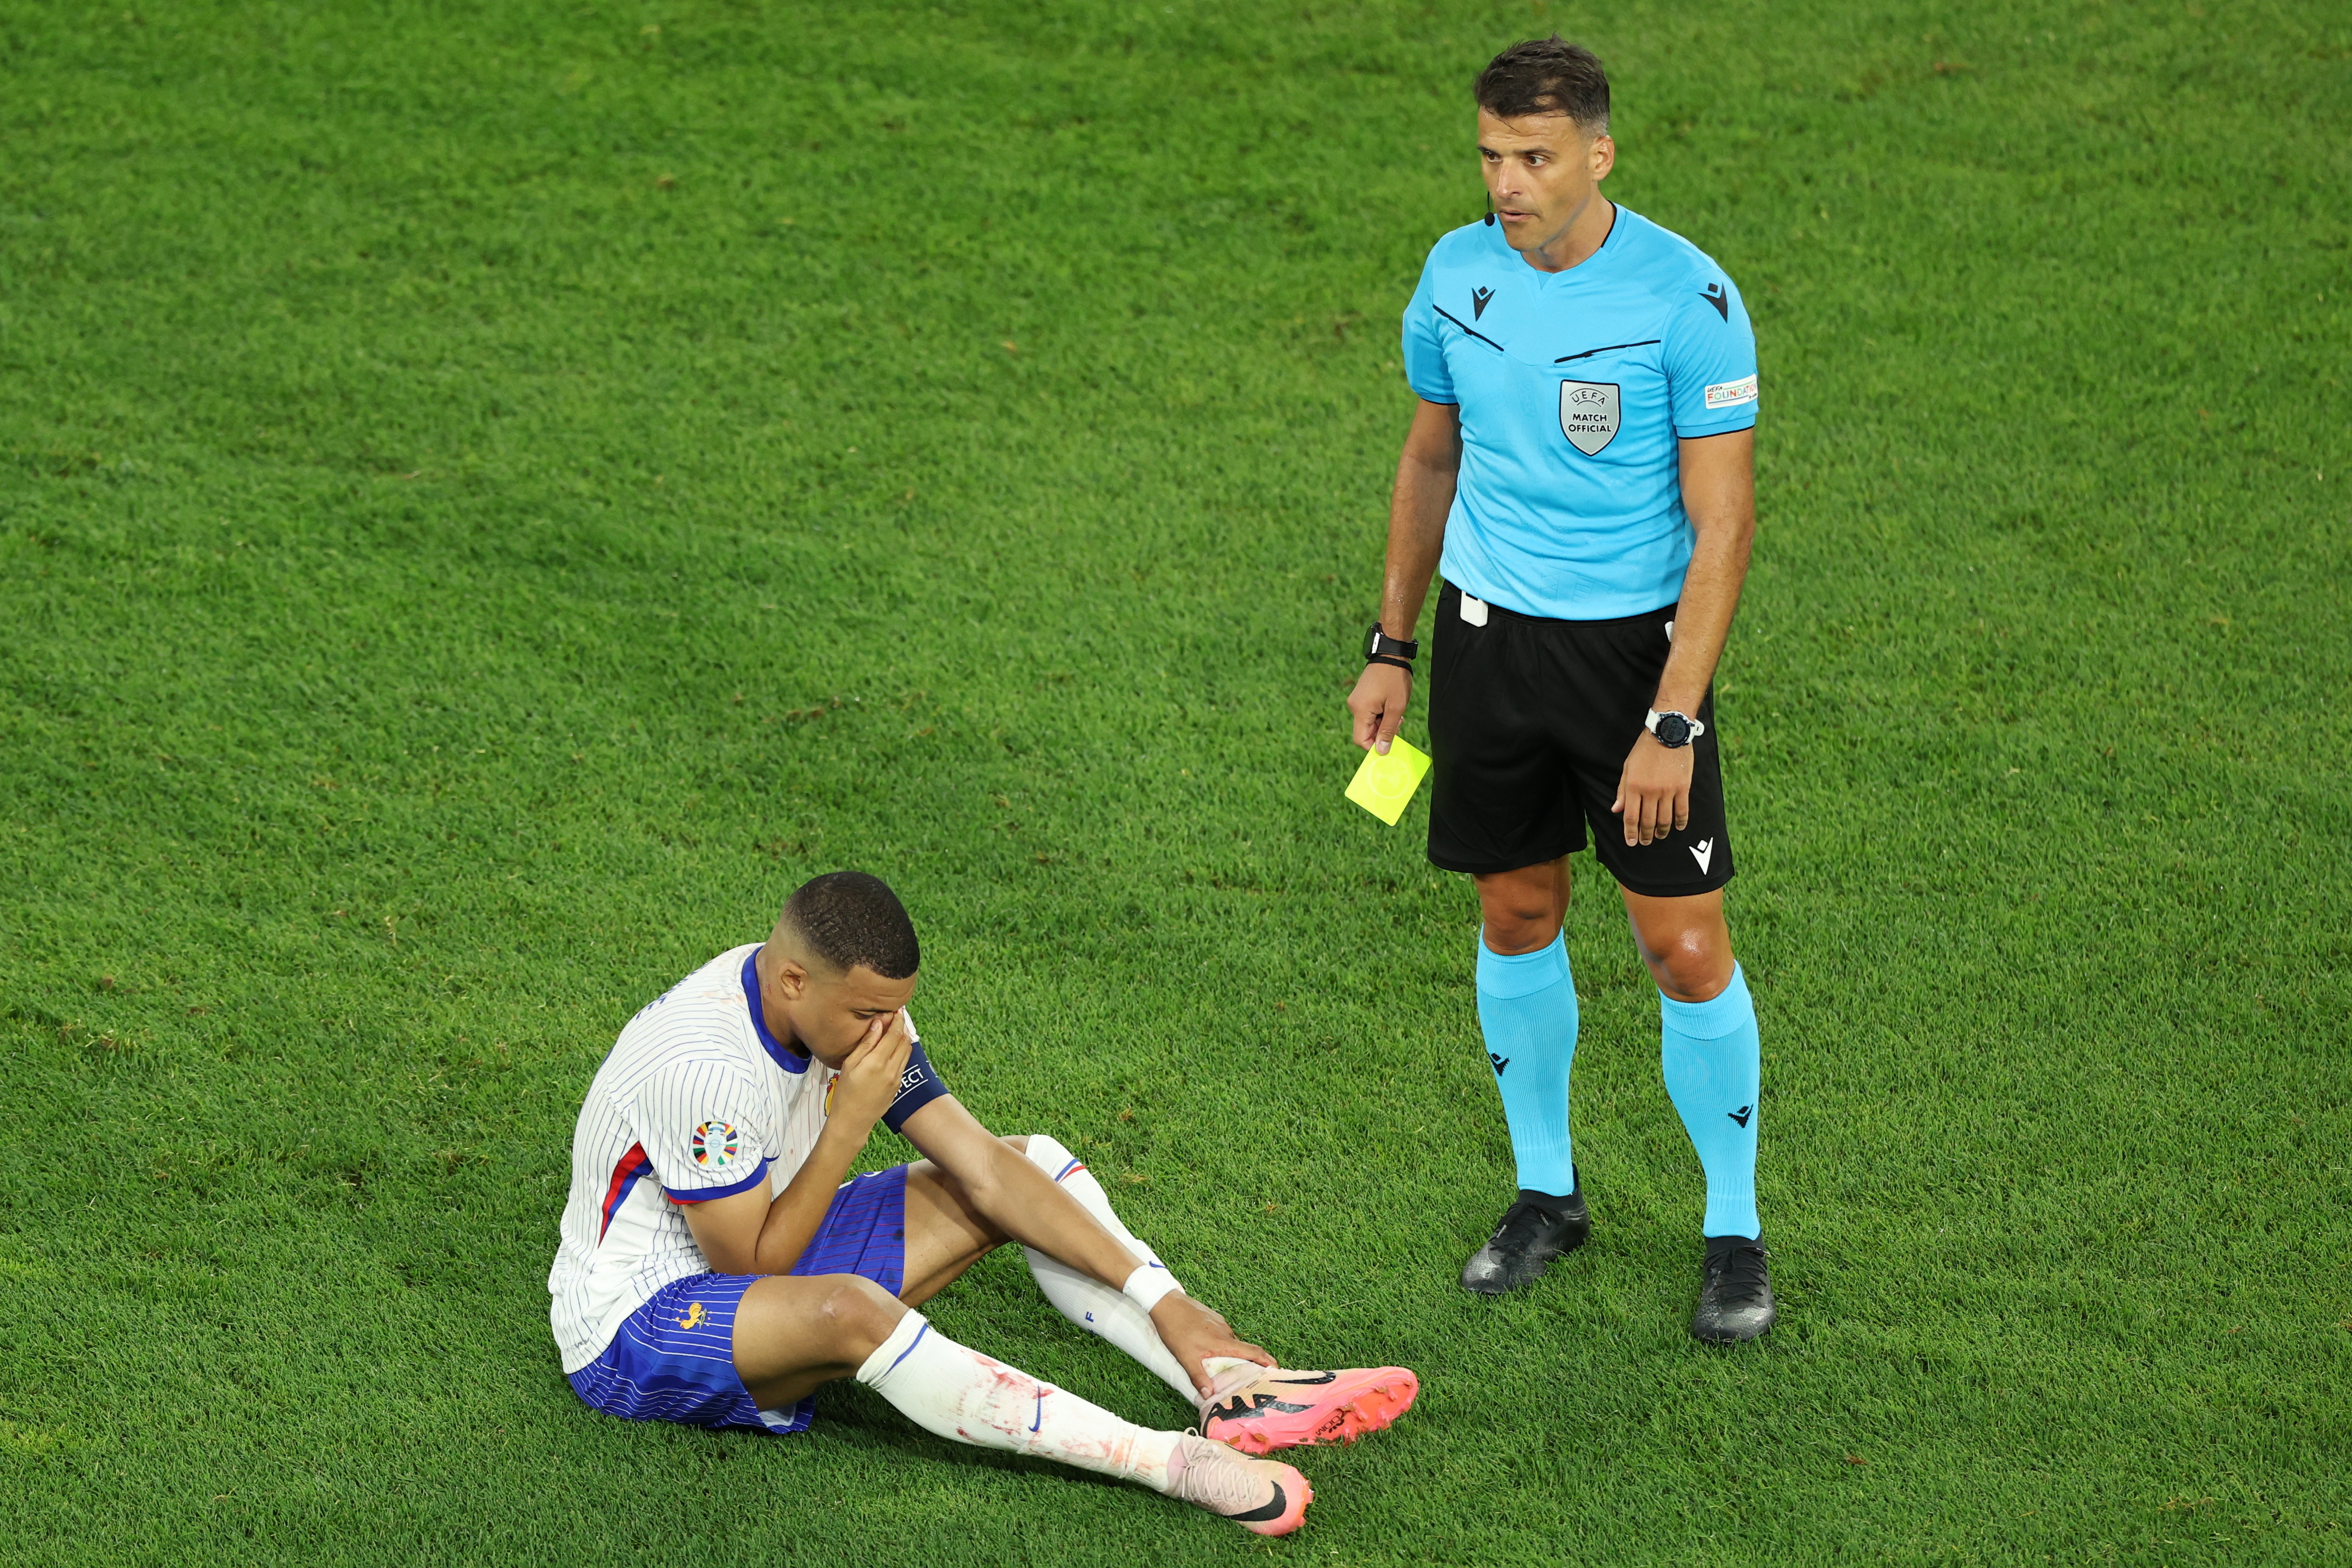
(1530, 723)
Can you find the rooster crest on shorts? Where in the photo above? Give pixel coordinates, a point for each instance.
(716, 1144)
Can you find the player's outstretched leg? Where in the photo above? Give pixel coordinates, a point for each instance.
(1253, 1407)
(796, 1331)
(959, 1393)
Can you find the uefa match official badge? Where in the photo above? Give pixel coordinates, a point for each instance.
(1588, 414)
(716, 1144)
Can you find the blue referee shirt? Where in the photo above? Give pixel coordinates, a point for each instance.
(1573, 388)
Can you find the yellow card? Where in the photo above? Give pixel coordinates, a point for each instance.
(1385, 786)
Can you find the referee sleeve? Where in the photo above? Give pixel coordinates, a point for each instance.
(1424, 351)
(696, 1122)
(1710, 359)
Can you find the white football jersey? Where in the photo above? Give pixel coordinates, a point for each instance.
(697, 1100)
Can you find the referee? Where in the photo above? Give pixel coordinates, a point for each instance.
(1579, 472)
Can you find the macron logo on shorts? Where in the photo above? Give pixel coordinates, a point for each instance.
(1704, 853)
(1731, 393)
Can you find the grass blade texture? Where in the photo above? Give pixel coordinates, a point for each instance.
(492, 495)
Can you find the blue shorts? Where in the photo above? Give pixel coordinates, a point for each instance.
(674, 1359)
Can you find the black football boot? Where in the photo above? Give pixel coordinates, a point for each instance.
(1535, 1229)
(1734, 1301)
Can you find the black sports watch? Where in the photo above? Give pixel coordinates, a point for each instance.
(1674, 731)
(1382, 648)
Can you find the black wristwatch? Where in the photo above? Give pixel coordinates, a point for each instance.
(1674, 731)
(1382, 648)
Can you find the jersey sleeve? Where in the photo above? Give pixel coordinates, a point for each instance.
(918, 1085)
(1710, 359)
(698, 1122)
(1425, 350)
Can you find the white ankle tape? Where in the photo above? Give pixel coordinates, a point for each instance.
(1148, 1284)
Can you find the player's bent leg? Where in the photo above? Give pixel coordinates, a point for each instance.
(1255, 1408)
(1101, 1310)
(945, 1232)
(1711, 1056)
(793, 1332)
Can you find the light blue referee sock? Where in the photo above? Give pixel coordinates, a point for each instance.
(1527, 1007)
(1714, 1063)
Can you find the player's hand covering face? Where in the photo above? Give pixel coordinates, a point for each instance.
(832, 1014)
(870, 1073)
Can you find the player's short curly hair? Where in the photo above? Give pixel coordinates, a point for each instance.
(849, 919)
(1547, 76)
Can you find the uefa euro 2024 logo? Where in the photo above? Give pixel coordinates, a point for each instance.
(716, 1144)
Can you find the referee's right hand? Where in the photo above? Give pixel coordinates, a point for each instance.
(1378, 702)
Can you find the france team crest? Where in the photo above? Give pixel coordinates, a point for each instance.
(1588, 415)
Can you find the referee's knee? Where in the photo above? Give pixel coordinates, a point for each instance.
(1522, 908)
(1516, 926)
(1694, 966)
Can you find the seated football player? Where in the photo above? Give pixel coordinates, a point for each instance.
(719, 1262)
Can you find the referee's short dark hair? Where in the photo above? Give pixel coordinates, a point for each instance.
(1547, 76)
(849, 919)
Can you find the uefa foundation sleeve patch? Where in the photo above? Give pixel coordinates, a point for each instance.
(1731, 393)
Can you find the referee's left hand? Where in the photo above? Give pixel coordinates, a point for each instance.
(1378, 702)
(1653, 791)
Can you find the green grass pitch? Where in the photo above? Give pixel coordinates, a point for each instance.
(491, 496)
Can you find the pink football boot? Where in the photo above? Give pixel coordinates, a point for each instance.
(1270, 1408)
(1265, 1496)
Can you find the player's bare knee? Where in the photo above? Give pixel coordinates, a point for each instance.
(860, 1312)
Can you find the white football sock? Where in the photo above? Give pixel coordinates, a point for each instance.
(959, 1393)
(1097, 1307)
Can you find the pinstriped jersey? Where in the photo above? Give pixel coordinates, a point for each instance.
(697, 1100)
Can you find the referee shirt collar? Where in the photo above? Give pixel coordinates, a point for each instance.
(1604, 256)
(784, 1054)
